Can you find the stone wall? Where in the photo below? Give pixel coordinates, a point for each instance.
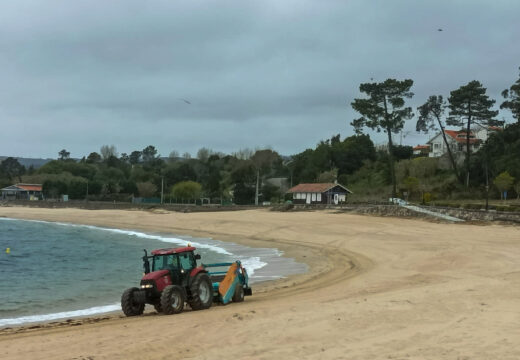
(464, 214)
(478, 215)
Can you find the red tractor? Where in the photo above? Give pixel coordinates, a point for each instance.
(174, 278)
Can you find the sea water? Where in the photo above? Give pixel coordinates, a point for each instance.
(61, 270)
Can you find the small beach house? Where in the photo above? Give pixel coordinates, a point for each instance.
(22, 192)
(320, 193)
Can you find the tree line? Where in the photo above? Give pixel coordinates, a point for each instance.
(242, 177)
(383, 108)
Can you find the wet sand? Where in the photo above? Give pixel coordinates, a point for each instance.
(378, 288)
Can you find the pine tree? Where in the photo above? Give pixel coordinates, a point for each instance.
(470, 105)
(512, 102)
(384, 110)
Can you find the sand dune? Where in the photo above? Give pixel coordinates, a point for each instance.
(379, 288)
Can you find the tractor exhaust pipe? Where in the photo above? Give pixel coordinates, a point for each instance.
(146, 263)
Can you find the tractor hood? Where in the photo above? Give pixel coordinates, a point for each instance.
(160, 279)
(156, 275)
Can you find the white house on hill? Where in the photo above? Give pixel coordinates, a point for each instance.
(457, 140)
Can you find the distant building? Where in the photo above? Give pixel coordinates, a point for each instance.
(456, 141)
(321, 193)
(482, 132)
(421, 150)
(22, 192)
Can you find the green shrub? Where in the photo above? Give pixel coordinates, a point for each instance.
(186, 190)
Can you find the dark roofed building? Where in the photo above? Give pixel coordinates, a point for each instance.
(320, 193)
(22, 192)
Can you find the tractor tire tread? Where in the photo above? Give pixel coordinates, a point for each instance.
(128, 306)
(195, 300)
(166, 300)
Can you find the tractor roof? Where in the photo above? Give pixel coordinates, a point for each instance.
(173, 250)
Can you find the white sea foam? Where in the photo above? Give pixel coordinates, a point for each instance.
(165, 239)
(172, 240)
(251, 264)
(60, 315)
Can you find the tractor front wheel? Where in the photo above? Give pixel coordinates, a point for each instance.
(172, 299)
(130, 306)
(201, 291)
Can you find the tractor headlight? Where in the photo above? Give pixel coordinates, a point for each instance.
(146, 286)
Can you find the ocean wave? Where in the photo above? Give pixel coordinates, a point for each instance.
(142, 235)
(251, 264)
(165, 239)
(60, 315)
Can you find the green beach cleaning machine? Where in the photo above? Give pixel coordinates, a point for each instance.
(172, 278)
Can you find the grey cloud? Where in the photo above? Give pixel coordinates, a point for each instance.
(278, 73)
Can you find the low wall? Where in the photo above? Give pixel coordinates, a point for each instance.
(478, 215)
(106, 205)
(369, 209)
(385, 210)
(464, 214)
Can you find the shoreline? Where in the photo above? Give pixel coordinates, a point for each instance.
(268, 260)
(377, 287)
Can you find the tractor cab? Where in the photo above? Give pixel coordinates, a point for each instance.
(178, 262)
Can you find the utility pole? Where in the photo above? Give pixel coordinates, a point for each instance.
(487, 186)
(162, 189)
(487, 173)
(257, 183)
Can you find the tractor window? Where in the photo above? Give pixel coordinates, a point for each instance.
(187, 261)
(165, 262)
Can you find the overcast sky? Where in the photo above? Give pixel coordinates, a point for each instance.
(280, 73)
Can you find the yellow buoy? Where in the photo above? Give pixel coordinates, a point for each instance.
(8, 250)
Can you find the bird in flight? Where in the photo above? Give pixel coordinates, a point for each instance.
(186, 101)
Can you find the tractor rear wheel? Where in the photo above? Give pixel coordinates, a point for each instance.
(201, 291)
(129, 304)
(238, 296)
(172, 299)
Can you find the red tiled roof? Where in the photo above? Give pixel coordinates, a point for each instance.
(314, 188)
(420, 147)
(454, 134)
(29, 187)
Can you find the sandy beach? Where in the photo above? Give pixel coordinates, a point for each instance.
(378, 288)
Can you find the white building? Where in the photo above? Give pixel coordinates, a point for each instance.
(456, 141)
